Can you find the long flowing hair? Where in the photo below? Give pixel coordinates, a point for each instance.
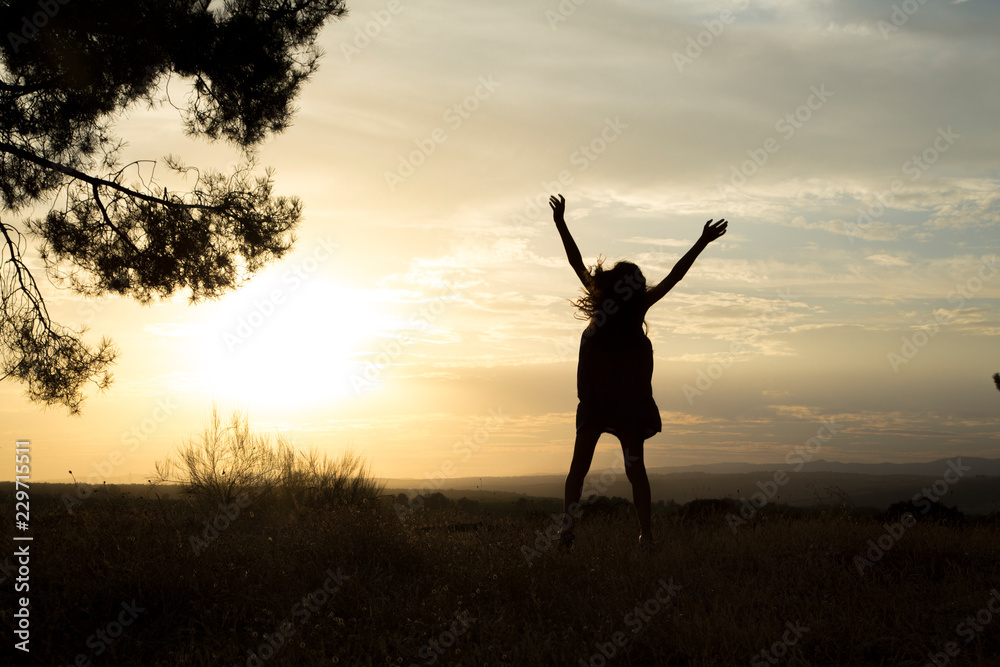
(612, 297)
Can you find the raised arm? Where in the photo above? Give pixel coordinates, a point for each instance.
(711, 232)
(572, 252)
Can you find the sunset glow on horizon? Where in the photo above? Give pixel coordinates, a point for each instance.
(428, 292)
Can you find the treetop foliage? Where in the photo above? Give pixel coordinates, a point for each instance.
(68, 70)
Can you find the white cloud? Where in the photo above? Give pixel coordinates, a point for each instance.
(885, 259)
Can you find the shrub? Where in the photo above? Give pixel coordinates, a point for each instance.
(225, 463)
(312, 480)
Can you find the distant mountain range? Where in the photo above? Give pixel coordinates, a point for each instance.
(976, 490)
(979, 466)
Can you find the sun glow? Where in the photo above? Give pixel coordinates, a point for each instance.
(289, 348)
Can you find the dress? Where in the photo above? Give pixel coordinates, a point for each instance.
(614, 380)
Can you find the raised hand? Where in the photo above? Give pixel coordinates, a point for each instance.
(713, 231)
(558, 208)
(572, 252)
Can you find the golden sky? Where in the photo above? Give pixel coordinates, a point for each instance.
(423, 317)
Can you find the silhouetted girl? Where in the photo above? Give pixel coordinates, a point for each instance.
(614, 375)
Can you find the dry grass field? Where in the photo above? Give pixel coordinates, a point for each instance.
(272, 557)
(133, 580)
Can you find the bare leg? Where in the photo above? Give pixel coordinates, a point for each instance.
(635, 470)
(583, 455)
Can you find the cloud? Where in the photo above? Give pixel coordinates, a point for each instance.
(668, 243)
(884, 259)
(967, 203)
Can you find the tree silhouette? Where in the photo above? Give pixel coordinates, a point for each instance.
(68, 71)
(996, 380)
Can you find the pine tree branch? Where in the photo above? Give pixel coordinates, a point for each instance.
(37, 304)
(94, 180)
(107, 220)
(25, 89)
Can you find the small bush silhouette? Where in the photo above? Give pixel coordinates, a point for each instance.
(227, 463)
(936, 512)
(311, 480)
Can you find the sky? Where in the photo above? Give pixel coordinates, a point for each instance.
(424, 318)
